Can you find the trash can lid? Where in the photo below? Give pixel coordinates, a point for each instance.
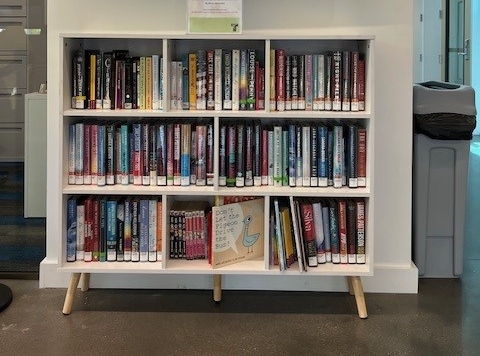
(442, 97)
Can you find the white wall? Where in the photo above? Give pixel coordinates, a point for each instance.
(389, 21)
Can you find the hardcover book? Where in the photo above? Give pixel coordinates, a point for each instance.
(238, 232)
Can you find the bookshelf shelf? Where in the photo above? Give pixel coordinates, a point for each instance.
(170, 47)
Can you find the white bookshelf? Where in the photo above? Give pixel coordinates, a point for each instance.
(170, 46)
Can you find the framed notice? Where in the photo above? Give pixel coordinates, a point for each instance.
(214, 16)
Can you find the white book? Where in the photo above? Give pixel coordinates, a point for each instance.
(152, 230)
(80, 231)
(321, 82)
(236, 79)
(298, 157)
(319, 235)
(71, 154)
(155, 81)
(173, 85)
(217, 70)
(277, 156)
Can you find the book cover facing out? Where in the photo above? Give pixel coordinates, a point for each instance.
(238, 232)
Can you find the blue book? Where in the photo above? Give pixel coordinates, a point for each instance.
(111, 230)
(322, 156)
(71, 229)
(143, 229)
(334, 238)
(124, 154)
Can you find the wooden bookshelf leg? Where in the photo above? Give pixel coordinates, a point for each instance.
(85, 282)
(217, 287)
(359, 297)
(67, 305)
(350, 285)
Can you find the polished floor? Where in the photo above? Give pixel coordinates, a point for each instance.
(442, 319)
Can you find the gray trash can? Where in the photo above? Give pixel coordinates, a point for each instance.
(444, 119)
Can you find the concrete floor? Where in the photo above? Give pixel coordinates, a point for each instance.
(442, 319)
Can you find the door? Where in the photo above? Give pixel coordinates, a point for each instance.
(459, 44)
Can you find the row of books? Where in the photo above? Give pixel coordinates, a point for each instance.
(313, 232)
(114, 228)
(295, 155)
(332, 81)
(219, 79)
(116, 80)
(250, 154)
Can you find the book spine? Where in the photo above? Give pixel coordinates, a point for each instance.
(352, 156)
(179, 78)
(354, 81)
(301, 82)
(120, 229)
(227, 80)
(173, 85)
(161, 155)
(201, 80)
(328, 82)
(152, 230)
(306, 155)
(321, 82)
(222, 156)
(249, 151)
(240, 156)
(102, 256)
(110, 157)
(314, 147)
(337, 81)
(319, 234)
(79, 95)
(176, 154)
(107, 80)
(280, 79)
(272, 81)
(79, 147)
(322, 156)
(243, 88)
(71, 153)
(284, 157)
(236, 79)
(334, 232)
(251, 78)
(193, 156)
(299, 156)
(309, 82)
(155, 81)
(186, 133)
(94, 153)
(152, 151)
(277, 156)
(169, 154)
(201, 146)
(326, 232)
(271, 154)
(135, 81)
(135, 231)
(80, 248)
(148, 83)
(159, 228)
(210, 154)
(127, 233)
(279, 236)
(143, 229)
(361, 84)
(231, 154)
(257, 154)
(351, 232)
(137, 154)
(309, 234)
(265, 149)
(101, 155)
(362, 157)
(185, 82)
(210, 79)
(145, 153)
(288, 83)
(111, 230)
(346, 81)
(217, 90)
(71, 233)
(259, 87)
(88, 221)
(361, 234)
(192, 81)
(98, 81)
(292, 154)
(337, 156)
(124, 154)
(128, 83)
(342, 230)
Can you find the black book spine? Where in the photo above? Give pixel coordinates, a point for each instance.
(251, 77)
(240, 156)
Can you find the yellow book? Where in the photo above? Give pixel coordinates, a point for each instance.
(142, 84)
(192, 80)
(148, 83)
(287, 236)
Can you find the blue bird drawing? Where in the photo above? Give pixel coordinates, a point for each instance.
(249, 240)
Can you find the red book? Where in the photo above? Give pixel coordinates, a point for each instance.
(342, 230)
(309, 233)
(361, 84)
(88, 257)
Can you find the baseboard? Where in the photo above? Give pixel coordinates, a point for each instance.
(386, 279)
